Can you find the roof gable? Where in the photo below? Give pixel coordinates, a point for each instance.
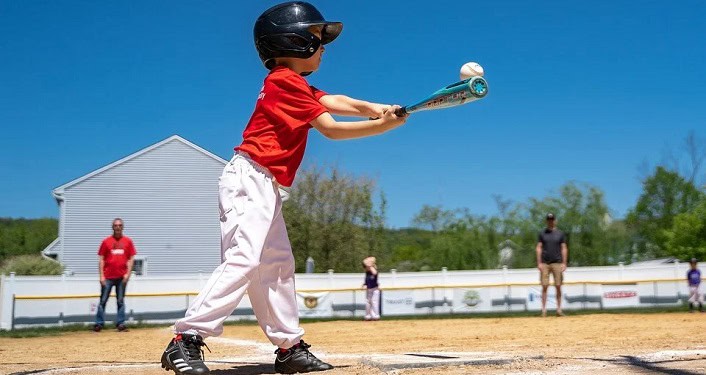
(60, 190)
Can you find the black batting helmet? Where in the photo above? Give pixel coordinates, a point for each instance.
(283, 31)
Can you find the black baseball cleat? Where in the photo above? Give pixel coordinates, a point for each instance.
(184, 355)
(298, 359)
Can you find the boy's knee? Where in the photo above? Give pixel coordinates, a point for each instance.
(246, 265)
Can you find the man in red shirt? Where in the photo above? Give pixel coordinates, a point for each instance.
(115, 259)
(257, 256)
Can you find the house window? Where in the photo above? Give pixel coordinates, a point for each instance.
(139, 266)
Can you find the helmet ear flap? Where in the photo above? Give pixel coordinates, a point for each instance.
(287, 45)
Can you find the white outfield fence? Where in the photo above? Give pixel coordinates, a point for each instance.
(57, 300)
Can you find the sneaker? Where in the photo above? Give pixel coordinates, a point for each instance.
(185, 356)
(97, 328)
(121, 328)
(298, 359)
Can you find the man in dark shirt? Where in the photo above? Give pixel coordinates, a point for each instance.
(552, 255)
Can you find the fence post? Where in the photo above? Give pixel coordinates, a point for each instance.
(3, 301)
(621, 271)
(330, 278)
(12, 320)
(11, 291)
(677, 284)
(433, 300)
(448, 293)
(393, 273)
(63, 300)
(507, 289)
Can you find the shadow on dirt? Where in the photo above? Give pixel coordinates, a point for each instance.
(653, 366)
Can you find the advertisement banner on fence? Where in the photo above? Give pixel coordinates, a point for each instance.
(471, 300)
(620, 296)
(534, 298)
(397, 302)
(315, 304)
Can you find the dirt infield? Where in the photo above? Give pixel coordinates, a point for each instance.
(583, 344)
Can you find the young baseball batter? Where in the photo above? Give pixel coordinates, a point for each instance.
(693, 276)
(256, 253)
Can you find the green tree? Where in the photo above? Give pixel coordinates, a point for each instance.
(583, 215)
(331, 217)
(665, 195)
(34, 265)
(433, 218)
(409, 249)
(26, 236)
(687, 237)
(461, 240)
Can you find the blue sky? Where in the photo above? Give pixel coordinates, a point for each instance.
(582, 91)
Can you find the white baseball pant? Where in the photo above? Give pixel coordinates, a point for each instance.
(694, 294)
(257, 258)
(372, 304)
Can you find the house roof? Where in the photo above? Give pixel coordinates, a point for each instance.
(59, 191)
(53, 248)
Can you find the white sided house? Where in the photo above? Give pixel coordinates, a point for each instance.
(167, 196)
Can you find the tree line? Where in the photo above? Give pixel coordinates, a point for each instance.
(26, 236)
(338, 219)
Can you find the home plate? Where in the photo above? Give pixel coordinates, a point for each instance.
(387, 362)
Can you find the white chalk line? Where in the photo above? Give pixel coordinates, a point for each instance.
(670, 354)
(264, 353)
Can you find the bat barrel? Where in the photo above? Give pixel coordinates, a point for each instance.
(458, 93)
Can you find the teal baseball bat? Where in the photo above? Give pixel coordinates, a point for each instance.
(461, 92)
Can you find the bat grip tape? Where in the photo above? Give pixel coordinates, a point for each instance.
(401, 112)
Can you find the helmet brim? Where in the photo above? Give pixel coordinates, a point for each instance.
(331, 31)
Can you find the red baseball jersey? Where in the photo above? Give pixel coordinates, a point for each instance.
(276, 134)
(115, 253)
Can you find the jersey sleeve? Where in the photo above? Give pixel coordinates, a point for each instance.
(130, 251)
(563, 238)
(317, 93)
(539, 237)
(297, 104)
(103, 249)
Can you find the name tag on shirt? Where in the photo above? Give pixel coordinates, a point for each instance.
(117, 251)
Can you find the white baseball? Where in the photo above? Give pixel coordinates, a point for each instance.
(471, 69)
